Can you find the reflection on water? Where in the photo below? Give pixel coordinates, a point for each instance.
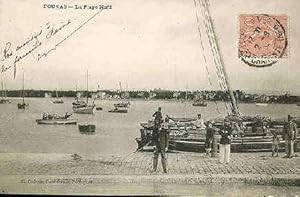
(115, 132)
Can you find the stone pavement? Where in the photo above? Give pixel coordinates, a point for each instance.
(250, 168)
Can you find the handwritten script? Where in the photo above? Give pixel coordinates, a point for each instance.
(42, 42)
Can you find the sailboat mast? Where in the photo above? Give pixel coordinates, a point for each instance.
(23, 88)
(87, 86)
(2, 90)
(120, 89)
(5, 91)
(210, 25)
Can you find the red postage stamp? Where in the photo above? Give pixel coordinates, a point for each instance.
(263, 39)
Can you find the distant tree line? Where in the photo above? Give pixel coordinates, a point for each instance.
(207, 95)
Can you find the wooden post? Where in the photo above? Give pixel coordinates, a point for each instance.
(214, 150)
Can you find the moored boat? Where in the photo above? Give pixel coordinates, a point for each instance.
(58, 101)
(22, 105)
(116, 110)
(83, 107)
(89, 109)
(87, 128)
(4, 99)
(99, 108)
(59, 121)
(122, 104)
(199, 103)
(261, 104)
(78, 103)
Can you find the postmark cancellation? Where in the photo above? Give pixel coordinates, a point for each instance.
(263, 39)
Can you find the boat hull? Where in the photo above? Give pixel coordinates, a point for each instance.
(58, 102)
(126, 105)
(119, 111)
(238, 145)
(22, 105)
(87, 128)
(4, 101)
(84, 110)
(57, 121)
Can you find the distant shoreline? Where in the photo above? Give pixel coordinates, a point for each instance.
(153, 99)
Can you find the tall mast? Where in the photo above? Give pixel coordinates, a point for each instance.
(120, 89)
(5, 91)
(216, 48)
(2, 89)
(186, 98)
(87, 86)
(23, 88)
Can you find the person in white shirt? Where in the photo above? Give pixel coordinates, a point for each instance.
(199, 123)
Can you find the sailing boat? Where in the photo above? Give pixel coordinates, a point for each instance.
(78, 103)
(22, 105)
(57, 101)
(85, 109)
(4, 100)
(122, 104)
(247, 142)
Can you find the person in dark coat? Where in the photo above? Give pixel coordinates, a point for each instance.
(161, 142)
(225, 141)
(290, 136)
(209, 137)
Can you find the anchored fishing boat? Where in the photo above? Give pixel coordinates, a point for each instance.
(57, 101)
(54, 119)
(60, 121)
(87, 128)
(78, 103)
(123, 104)
(117, 110)
(22, 105)
(199, 103)
(261, 104)
(4, 99)
(85, 108)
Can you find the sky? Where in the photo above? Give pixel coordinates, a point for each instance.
(142, 44)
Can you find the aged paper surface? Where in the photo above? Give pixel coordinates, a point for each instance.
(189, 57)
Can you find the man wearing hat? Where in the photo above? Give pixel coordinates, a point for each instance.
(161, 145)
(291, 133)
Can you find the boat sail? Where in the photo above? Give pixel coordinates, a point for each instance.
(57, 101)
(22, 105)
(123, 103)
(85, 109)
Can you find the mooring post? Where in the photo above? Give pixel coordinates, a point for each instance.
(214, 147)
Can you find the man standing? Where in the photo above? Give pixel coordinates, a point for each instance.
(161, 142)
(225, 141)
(158, 119)
(209, 138)
(291, 133)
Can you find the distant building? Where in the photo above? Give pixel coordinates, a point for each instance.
(152, 95)
(176, 95)
(47, 95)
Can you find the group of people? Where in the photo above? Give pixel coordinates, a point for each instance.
(290, 133)
(48, 116)
(161, 131)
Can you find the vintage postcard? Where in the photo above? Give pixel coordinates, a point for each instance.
(157, 97)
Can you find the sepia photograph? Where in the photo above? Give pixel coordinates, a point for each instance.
(152, 98)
